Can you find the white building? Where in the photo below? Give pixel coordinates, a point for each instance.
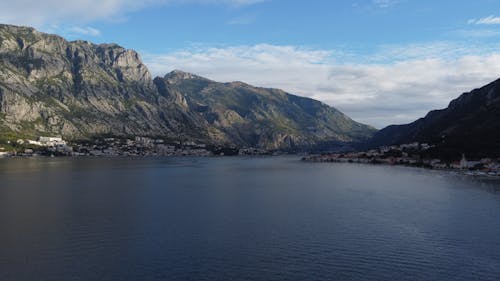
(414, 145)
(35, 142)
(52, 141)
(143, 141)
(463, 162)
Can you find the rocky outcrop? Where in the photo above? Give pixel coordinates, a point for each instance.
(81, 90)
(77, 89)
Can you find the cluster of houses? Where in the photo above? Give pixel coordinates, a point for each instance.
(140, 146)
(144, 146)
(43, 145)
(409, 154)
(109, 147)
(246, 151)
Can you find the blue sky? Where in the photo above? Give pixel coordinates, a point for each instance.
(362, 26)
(379, 61)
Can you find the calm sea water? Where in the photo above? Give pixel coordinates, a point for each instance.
(243, 219)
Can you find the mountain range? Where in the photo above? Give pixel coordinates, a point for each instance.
(470, 124)
(80, 90)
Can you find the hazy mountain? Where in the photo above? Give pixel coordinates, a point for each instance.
(470, 124)
(49, 86)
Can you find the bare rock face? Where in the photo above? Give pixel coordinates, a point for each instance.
(77, 89)
(80, 90)
(127, 63)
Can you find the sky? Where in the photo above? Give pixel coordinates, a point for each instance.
(379, 61)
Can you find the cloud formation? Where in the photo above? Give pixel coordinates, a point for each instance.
(85, 30)
(39, 13)
(375, 92)
(487, 20)
(477, 33)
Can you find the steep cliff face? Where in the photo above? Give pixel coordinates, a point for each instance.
(80, 90)
(76, 89)
(469, 124)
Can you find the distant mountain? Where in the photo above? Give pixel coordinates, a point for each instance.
(80, 90)
(261, 117)
(470, 124)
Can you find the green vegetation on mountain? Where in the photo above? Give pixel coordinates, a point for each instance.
(79, 90)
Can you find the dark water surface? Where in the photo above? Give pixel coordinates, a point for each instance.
(243, 219)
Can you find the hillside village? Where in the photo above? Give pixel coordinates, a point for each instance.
(113, 147)
(411, 154)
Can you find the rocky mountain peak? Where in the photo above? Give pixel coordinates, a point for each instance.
(178, 75)
(127, 62)
(13, 29)
(38, 55)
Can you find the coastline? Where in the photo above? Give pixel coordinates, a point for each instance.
(337, 158)
(125, 147)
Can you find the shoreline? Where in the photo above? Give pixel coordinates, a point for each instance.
(146, 156)
(467, 172)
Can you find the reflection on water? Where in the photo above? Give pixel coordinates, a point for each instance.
(243, 219)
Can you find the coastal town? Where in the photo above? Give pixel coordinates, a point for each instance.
(138, 146)
(411, 155)
(405, 154)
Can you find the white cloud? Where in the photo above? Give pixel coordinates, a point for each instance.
(38, 13)
(49, 12)
(440, 49)
(85, 30)
(376, 93)
(477, 33)
(487, 20)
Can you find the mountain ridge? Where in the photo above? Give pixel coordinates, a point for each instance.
(468, 125)
(79, 90)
